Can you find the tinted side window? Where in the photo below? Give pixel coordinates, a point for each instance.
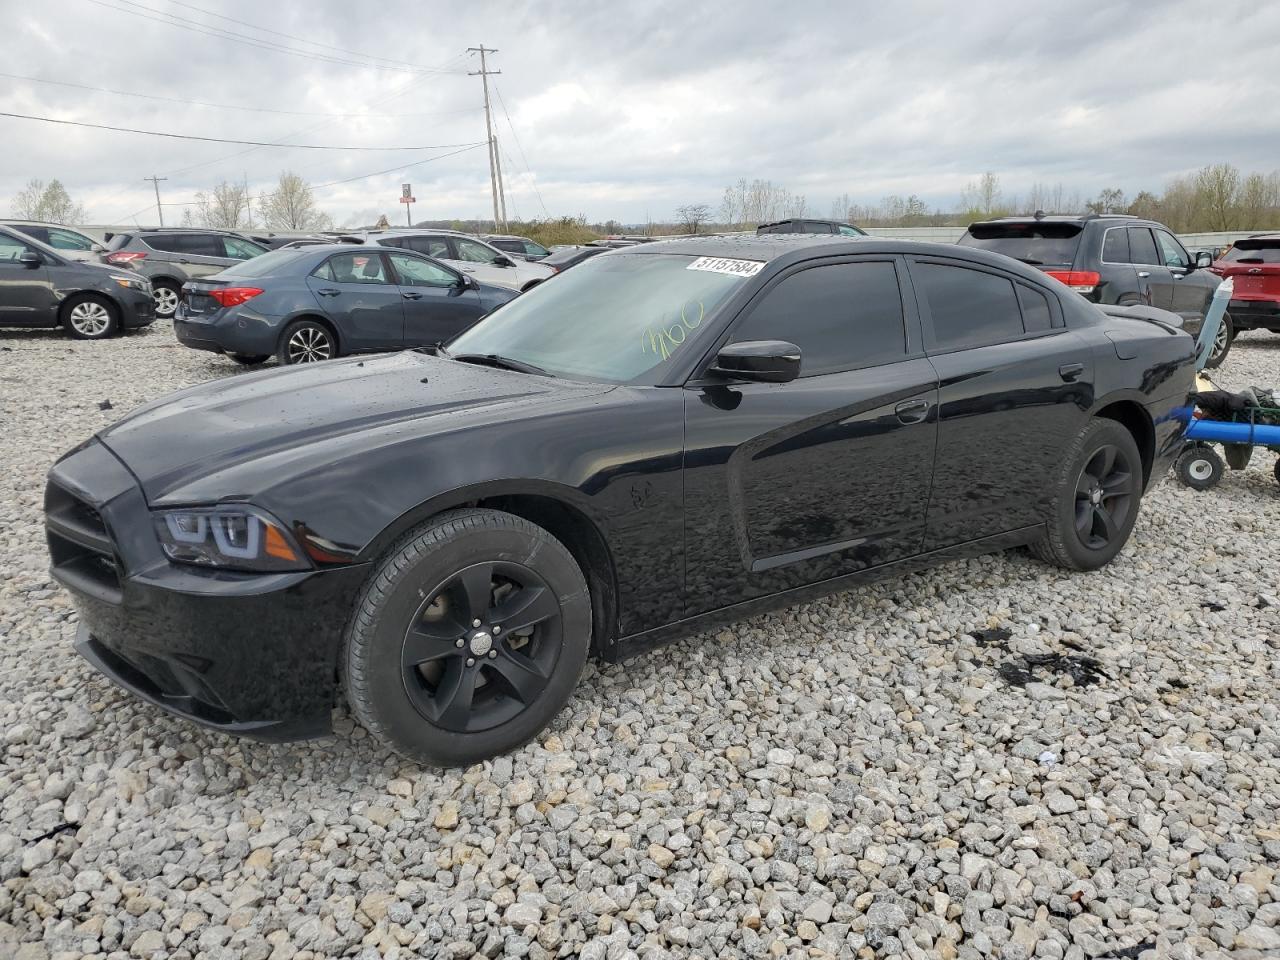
(205, 245)
(1142, 249)
(1036, 315)
(358, 268)
(841, 316)
(810, 227)
(1115, 246)
(472, 252)
(239, 249)
(969, 308)
(431, 246)
(168, 243)
(35, 233)
(1171, 252)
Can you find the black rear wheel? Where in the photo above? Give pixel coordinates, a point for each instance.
(468, 639)
(1095, 499)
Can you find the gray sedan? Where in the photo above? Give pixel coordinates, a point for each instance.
(323, 301)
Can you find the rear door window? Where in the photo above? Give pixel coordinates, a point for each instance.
(432, 246)
(1142, 249)
(812, 226)
(168, 243)
(358, 268)
(1115, 246)
(472, 252)
(1037, 242)
(239, 249)
(970, 308)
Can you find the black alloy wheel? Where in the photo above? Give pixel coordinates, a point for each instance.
(468, 638)
(482, 647)
(1094, 498)
(1104, 496)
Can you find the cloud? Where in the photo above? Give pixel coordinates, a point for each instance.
(628, 111)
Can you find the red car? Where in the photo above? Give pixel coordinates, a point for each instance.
(1254, 264)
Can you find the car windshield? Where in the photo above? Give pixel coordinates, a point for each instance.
(1033, 242)
(620, 318)
(265, 265)
(1254, 251)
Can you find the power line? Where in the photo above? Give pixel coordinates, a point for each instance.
(230, 106)
(336, 183)
(219, 33)
(289, 36)
(254, 143)
(533, 180)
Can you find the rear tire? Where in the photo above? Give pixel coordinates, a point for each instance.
(90, 317)
(468, 639)
(306, 341)
(1199, 467)
(1221, 343)
(1095, 499)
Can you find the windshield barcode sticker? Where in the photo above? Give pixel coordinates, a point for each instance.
(735, 268)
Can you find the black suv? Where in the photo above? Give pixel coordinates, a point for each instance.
(171, 257)
(1111, 258)
(803, 225)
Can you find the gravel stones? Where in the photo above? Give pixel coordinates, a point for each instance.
(852, 777)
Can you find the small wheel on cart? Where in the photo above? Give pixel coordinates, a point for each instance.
(1199, 467)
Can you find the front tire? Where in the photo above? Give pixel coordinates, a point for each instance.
(468, 639)
(90, 317)
(166, 294)
(1095, 499)
(306, 341)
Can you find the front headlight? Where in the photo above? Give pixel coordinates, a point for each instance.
(135, 283)
(229, 538)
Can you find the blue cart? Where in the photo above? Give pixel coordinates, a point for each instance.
(1199, 465)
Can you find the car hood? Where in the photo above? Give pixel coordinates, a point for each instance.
(296, 414)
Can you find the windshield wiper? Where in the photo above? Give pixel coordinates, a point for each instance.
(494, 360)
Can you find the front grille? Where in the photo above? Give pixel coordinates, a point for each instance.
(80, 545)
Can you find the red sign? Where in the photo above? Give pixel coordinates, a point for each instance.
(408, 200)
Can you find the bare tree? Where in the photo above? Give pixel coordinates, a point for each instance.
(982, 197)
(693, 215)
(222, 207)
(291, 206)
(1218, 186)
(51, 202)
(1109, 200)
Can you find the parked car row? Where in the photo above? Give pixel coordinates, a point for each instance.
(1108, 259)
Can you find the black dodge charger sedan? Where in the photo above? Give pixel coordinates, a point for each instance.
(666, 437)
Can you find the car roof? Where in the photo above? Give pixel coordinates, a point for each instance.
(789, 248)
(38, 223)
(502, 236)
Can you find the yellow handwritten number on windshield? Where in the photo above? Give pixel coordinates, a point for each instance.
(664, 340)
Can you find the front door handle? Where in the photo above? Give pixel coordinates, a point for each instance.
(912, 411)
(1071, 372)
(1144, 273)
(411, 295)
(328, 292)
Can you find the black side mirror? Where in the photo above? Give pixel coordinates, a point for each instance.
(1203, 259)
(503, 261)
(465, 282)
(760, 361)
(30, 259)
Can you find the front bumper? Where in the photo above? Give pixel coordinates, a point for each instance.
(254, 655)
(137, 309)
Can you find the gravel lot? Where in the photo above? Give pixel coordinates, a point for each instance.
(859, 776)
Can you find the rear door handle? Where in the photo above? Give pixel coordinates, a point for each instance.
(328, 292)
(1144, 273)
(411, 296)
(1071, 372)
(912, 411)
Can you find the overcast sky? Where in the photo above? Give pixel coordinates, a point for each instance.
(630, 110)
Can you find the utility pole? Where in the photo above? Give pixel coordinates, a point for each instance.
(502, 193)
(484, 73)
(155, 182)
(248, 204)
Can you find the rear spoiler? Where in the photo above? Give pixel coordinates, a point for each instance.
(1140, 311)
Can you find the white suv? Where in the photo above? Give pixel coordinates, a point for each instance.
(486, 263)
